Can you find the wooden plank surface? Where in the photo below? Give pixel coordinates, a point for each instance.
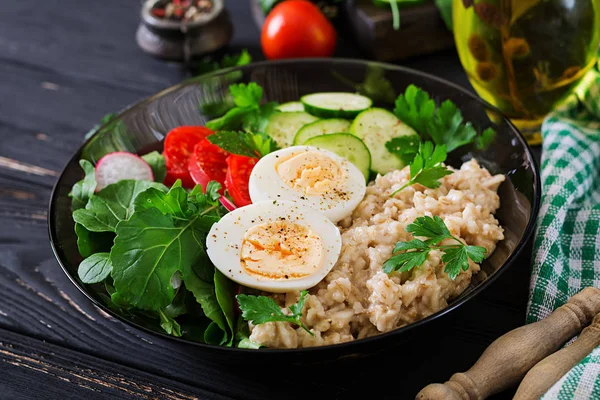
(64, 64)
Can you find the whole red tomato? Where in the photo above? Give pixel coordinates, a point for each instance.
(297, 28)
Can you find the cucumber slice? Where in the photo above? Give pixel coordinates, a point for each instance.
(282, 126)
(335, 104)
(345, 145)
(291, 106)
(375, 127)
(321, 127)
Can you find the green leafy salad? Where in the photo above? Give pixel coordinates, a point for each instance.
(145, 223)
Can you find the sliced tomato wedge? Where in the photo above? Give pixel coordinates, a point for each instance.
(208, 163)
(238, 175)
(179, 145)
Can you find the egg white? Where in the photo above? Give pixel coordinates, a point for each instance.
(266, 184)
(224, 243)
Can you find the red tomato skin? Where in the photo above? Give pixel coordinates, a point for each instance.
(208, 163)
(179, 145)
(295, 29)
(239, 169)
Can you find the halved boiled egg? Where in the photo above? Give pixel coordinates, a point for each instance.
(275, 246)
(314, 177)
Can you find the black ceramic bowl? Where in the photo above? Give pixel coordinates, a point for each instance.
(142, 127)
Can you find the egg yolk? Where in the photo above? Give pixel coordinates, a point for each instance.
(310, 173)
(281, 250)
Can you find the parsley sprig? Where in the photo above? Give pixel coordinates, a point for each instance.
(262, 309)
(248, 114)
(411, 254)
(443, 125)
(426, 167)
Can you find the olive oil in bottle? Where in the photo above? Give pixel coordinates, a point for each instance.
(526, 56)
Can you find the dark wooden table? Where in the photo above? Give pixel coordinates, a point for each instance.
(63, 65)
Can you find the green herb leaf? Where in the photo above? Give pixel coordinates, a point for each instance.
(445, 8)
(415, 108)
(434, 229)
(426, 168)
(212, 192)
(257, 121)
(89, 243)
(84, 189)
(174, 202)
(246, 95)
(262, 309)
(225, 293)
(240, 143)
(243, 143)
(404, 147)
(178, 307)
(444, 125)
(485, 139)
(248, 113)
(94, 269)
(456, 260)
(447, 127)
(169, 324)
(149, 248)
(408, 255)
(204, 291)
(156, 161)
(111, 205)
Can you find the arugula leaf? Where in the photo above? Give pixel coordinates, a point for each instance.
(111, 205)
(84, 189)
(178, 307)
(225, 294)
(203, 288)
(89, 243)
(156, 161)
(408, 255)
(149, 248)
(404, 147)
(169, 324)
(174, 202)
(426, 168)
(243, 143)
(95, 268)
(262, 309)
(444, 125)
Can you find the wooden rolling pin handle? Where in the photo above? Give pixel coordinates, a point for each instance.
(508, 358)
(547, 372)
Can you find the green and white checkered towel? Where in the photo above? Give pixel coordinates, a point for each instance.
(567, 242)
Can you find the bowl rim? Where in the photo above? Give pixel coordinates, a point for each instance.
(345, 347)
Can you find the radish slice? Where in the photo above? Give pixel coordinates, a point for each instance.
(120, 165)
(227, 203)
